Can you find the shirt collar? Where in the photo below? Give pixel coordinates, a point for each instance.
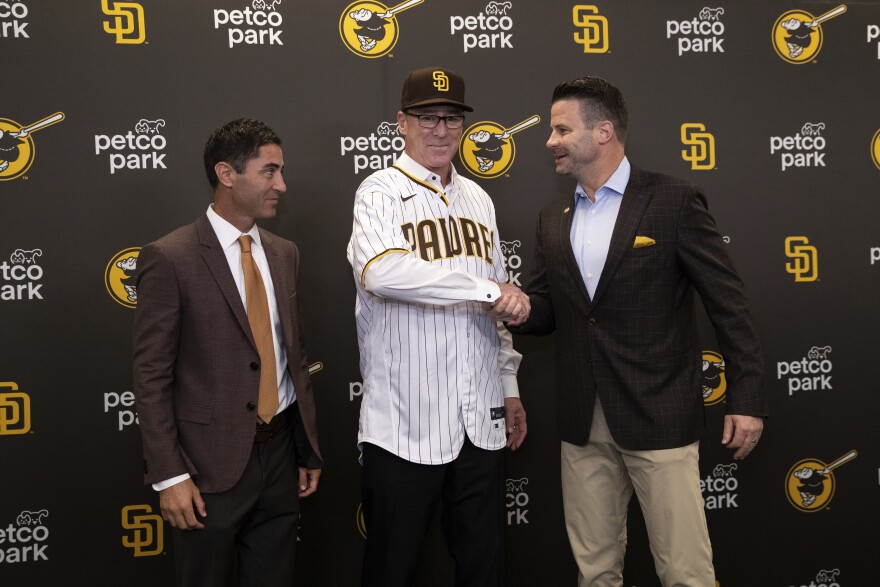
(616, 183)
(228, 234)
(418, 171)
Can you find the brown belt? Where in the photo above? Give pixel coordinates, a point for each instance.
(266, 432)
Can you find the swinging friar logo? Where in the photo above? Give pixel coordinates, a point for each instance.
(135, 150)
(257, 24)
(12, 13)
(805, 148)
(119, 277)
(370, 29)
(25, 542)
(517, 501)
(17, 147)
(376, 151)
(487, 148)
(812, 373)
(824, 578)
(719, 490)
(810, 483)
(490, 29)
(714, 380)
(21, 276)
(797, 35)
(702, 34)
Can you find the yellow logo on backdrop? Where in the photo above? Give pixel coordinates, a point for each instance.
(797, 34)
(15, 410)
(369, 29)
(594, 33)
(714, 379)
(810, 483)
(875, 149)
(17, 147)
(701, 153)
(119, 277)
(805, 258)
(147, 530)
(441, 82)
(487, 149)
(359, 521)
(126, 22)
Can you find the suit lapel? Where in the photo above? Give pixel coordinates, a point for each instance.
(632, 207)
(279, 284)
(215, 258)
(567, 251)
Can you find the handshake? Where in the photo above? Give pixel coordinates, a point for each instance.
(512, 307)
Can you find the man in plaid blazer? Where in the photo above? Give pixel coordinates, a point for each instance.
(616, 271)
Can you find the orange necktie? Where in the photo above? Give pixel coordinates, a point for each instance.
(261, 328)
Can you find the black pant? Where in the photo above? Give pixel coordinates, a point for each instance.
(249, 538)
(400, 499)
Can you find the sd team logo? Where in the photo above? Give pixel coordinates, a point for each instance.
(118, 277)
(701, 151)
(487, 149)
(146, 537)
(797, 36)
(369, 29)
(810, 483)
(875, 148)
(126, 22)
(594, 28)
(714, 380)
(15, 410)
(17, 147)
(804, 257)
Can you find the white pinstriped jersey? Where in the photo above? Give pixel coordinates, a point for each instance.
(435, 365)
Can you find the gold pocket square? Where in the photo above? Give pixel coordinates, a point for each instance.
(643, 241)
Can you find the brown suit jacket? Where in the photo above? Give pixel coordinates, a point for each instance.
(636, 343)
(196, 367)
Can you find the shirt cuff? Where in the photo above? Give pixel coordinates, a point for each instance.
(169, 482)
(490, 292)
(509, 386)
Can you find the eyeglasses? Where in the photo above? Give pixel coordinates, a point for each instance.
(432, 120)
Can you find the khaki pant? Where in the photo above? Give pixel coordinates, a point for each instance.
(597, 483)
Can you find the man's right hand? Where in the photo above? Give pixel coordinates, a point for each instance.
(512, 307)
(179, 504)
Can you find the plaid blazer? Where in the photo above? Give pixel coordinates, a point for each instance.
(636, 343)
(194, 357)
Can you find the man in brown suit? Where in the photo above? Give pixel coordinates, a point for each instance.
(224, 401)
(618, 266)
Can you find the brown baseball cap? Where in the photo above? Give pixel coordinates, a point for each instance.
(433, 85)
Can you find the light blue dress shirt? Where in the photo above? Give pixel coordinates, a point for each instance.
(593, 223)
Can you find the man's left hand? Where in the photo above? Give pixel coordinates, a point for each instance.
(308, 481)
(741, 433)
(515, 421)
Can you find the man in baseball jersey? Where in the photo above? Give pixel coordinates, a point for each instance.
(440, 395)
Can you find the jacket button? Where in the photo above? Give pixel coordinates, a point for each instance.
(591, 320)
(251, 406)
(255, 366)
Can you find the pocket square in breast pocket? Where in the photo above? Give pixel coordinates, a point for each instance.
(643, 241)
